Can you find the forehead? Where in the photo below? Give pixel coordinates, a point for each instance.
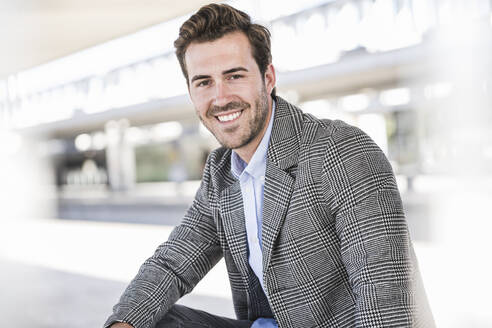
(231, 50)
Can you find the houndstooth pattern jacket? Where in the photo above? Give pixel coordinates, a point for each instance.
(336, 249)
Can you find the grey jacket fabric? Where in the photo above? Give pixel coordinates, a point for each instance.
(336, 248)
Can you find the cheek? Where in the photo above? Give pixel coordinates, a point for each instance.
(201, 112)
(200, 105)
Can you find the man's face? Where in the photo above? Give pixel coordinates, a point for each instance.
(227, 89)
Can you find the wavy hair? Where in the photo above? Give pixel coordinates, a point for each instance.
(212, 22)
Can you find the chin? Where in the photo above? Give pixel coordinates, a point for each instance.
(228, 143)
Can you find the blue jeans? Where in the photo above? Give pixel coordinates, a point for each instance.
(180, 316)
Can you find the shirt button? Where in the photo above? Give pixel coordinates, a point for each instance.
(262, 178)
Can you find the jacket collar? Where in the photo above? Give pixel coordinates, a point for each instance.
(283, 150)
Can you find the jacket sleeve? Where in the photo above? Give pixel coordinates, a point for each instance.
(362, 194)
(175, 268)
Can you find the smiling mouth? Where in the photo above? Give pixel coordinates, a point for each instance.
(229, 117)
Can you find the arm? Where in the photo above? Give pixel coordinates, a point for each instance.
(175, 268)
(361, 191)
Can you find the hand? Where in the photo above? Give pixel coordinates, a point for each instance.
(120, 325)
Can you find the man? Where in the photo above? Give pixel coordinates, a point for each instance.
(306, 212)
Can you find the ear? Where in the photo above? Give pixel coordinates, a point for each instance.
(270, 79)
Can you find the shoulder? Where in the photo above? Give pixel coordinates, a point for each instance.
(327, 129)
(329, 133)
(339, 145)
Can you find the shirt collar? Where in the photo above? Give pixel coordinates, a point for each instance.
(257, 165)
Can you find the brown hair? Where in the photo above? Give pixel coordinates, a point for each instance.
(212, 22)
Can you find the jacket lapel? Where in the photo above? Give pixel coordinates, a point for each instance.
(282, 159)
(277, 192)
(232, 212)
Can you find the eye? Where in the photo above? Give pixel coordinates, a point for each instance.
(235, 76)
(203, 83)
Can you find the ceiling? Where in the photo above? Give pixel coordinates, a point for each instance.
(33, 32)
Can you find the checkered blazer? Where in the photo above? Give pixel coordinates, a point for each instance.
(336, 249)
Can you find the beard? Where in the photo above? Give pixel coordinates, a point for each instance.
(255, 124)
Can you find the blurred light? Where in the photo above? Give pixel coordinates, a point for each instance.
(375, 126)
(395, 97)
(3, 90)
(377, 25)
(158, 77)
(423, 15)
(319, 108)
(112, 132)
(447, 13)
(487, 152)
(283, 36)
(99, 141)
(401, 180)
(94, 95)
(12, 86)
(311, 52)
(382, 29)
(354, 103)
(438, 90)
(347, 26)
(166, 131)
(136, 135)
(314, 26)
(12, 142)
(270, 10)
(124, 93)
(404, 34)
(290, 95)
(174, 82)
(83, 142)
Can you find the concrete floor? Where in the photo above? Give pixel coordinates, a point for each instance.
(34, 296)
(66, 273)
(69, 273)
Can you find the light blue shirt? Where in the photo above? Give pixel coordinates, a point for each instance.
(251, 177)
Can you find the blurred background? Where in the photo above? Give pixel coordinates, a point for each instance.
(102, 152)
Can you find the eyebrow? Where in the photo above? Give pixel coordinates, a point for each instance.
(229, 71)
(235, 69)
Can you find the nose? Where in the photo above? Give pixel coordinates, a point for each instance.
(222, 94)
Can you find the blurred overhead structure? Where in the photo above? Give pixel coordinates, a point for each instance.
(33, 32)
(370, 62)
(341, 47)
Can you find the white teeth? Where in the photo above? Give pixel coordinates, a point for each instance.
(230, 117)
